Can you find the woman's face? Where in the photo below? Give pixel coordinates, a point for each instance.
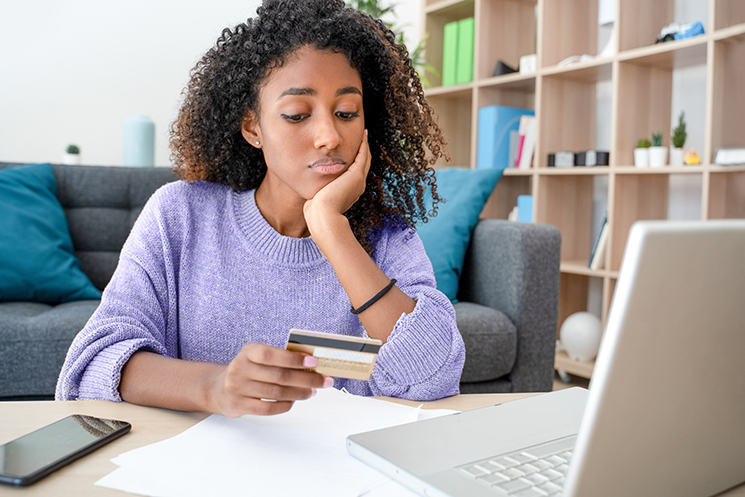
(311, 122)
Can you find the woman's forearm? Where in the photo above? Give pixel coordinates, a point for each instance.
(154, 380)
(360, 276)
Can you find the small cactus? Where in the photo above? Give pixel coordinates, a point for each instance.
(643, 143)
(73, 149)
(656, 139)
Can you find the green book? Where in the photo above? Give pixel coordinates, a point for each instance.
(464, 65)
(449, 53)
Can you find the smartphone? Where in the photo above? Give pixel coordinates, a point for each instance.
(31, 457)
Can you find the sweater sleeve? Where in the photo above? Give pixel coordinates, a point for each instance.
(136, 313)
(424, 355)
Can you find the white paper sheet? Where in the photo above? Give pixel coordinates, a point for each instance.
(302, 452)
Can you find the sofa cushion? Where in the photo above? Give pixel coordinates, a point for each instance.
(447, 235)
(490, 339)
(38, 262)
(35, 339)
(102, 204)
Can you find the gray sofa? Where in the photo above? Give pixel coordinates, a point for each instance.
(508, 293)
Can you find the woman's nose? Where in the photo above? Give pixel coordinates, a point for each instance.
(327, 136)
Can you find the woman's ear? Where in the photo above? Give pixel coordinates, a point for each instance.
(250, 130)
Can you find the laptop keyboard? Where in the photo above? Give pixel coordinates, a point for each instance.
(537, 471)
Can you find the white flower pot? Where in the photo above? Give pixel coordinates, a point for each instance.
(71, 159)
(657, 156)
(641, 157)
(676, 156)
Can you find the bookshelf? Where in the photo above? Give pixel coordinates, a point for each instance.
(640, 77)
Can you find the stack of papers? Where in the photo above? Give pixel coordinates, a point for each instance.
(302, 452)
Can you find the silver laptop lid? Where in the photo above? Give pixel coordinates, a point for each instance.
(666, 412)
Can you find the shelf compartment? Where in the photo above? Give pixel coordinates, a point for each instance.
(727, 195)
(670, 55)
(573, 293)
(506, 31)
(636, 197)
(567, 203)
(508, 96)
(568, 113)
(728, 13)
(570, 28)
(440, 13)
(644, 106)
(728, 100)
(504, 197)
(453, 112)
(582, 369)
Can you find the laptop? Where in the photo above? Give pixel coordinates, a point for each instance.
(665, 411)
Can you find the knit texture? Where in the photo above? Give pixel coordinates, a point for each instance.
(202, 274)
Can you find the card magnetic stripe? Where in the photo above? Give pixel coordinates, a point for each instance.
(336, 344)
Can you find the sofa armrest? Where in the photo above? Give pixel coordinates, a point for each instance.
(514, 268)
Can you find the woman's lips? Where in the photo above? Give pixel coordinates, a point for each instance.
(328, 165)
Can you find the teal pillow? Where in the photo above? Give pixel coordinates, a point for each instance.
(446, 236)
(37, 261)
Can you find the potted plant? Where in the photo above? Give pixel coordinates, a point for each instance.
(641, 153)
(679, 140)
(657, 153)
(72, 155)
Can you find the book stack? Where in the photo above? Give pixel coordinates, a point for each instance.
(597, 257)
(457, 58)
(499, 136)
(526, 147)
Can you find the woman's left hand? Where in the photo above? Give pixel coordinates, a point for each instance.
(341, 194)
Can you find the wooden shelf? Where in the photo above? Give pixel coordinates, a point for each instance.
(638, 81)
(563, 362)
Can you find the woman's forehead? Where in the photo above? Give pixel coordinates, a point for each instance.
(310, 69)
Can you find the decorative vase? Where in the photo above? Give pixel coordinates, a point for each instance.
(657, 156)
(641, 157)
(71, 159)
(676, 156)
(580, 336)
(139, 141)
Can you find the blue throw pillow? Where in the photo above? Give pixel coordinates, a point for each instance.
(37, 261)
(446, 236)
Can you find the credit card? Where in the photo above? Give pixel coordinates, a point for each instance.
(340, 356)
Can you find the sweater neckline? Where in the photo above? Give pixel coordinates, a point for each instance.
(262, 238)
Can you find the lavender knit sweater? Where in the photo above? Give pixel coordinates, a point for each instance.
(202, 274)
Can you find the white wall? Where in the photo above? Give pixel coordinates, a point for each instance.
(73, 70)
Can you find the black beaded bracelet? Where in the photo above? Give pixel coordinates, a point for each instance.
(375, 298)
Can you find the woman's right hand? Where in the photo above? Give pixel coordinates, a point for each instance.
(263, 372)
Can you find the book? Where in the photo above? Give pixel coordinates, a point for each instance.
(597, 256)
(729, 156)
(464, 60)
(527, 129)
(449, 53)
(597, 239)
(495, 139)
(525, 208)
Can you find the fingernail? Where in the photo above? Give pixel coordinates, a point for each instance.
(313, 392)
(365, 132)
(328, 382)
(309, 361)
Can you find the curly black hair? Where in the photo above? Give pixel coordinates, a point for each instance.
(404, 138)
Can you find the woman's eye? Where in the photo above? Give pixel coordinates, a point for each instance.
(347, 115)
(294, 118)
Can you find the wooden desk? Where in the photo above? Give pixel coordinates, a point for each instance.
(149, 425)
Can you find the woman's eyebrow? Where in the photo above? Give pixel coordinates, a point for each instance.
(347, 90)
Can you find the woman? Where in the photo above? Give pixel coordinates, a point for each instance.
(305, 142)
